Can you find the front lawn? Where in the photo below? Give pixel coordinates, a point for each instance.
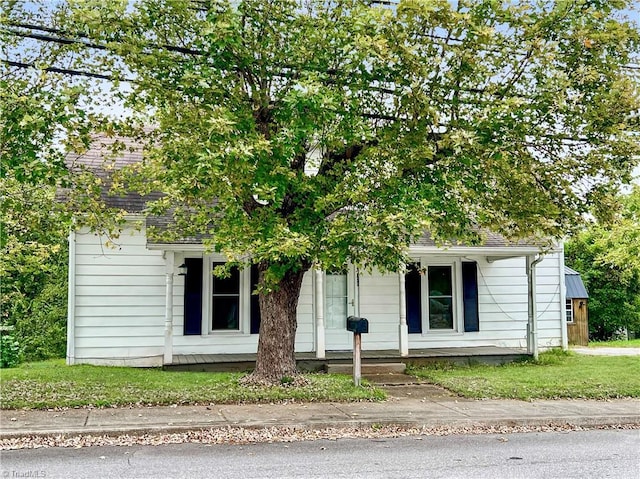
(557, 374)
(52, 384)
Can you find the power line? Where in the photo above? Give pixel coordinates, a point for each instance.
(66, 40)
(64, 71)
(82, 41)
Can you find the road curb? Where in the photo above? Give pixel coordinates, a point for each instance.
(463, 424)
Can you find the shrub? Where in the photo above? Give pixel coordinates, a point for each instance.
(9, 351)
(42, 331)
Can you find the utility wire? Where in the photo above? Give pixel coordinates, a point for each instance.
(173, 48)
(65, 71)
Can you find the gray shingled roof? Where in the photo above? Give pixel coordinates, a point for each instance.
(490, 240)
(100, 155)
(99, 158)
(573, 284)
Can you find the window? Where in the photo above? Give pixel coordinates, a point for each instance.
(569, 310)
(442, 297)
(225, 304)
(215, 305)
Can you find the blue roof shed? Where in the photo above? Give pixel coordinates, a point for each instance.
(573, 284)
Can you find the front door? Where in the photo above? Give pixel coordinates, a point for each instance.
(339, 302)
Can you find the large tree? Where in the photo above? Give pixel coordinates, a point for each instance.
(294, 134)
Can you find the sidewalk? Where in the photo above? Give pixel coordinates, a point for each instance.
(409, 406)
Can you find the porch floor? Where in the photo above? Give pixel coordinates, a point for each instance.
(309, 361)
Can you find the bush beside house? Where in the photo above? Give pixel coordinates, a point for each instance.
(33, 273)
(608, 257)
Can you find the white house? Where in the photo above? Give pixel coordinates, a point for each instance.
(145, 304)
(131, 306)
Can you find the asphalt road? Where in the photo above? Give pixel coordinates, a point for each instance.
(583, 454)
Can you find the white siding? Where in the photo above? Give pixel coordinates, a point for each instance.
(502, 304)
(119, 301)
(380, 304)
(305, 334)
(502, 301)
(550, 304)
(119, 307)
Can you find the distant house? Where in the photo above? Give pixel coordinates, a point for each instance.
(149, 304)
(576, 308)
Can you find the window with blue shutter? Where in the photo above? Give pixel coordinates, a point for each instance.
(225, 295)
(193, 297)
(470, 296)
(255, 303)
(413, 288)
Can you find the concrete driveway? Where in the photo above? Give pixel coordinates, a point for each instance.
(607, 351)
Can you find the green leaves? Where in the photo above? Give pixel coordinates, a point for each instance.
(33, 270)
(608, 256)
(336, 132)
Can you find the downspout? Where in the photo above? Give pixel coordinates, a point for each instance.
(532, 336)
(168, 312)
(563, 295)
(71, 300)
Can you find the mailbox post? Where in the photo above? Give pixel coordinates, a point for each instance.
(357, 326)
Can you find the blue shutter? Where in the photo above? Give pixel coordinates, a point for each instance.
(413, 290)
(470, 296)
(255, 303)
(193, 297)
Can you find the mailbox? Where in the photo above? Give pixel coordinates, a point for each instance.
(357, 325)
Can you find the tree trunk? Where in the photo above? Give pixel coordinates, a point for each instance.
(276, 362)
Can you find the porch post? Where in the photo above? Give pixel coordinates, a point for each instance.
(532, 323)
(168, 312)
(403, 330)
(71, 300)
(319, 303)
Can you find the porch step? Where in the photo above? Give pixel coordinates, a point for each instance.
(367, 368)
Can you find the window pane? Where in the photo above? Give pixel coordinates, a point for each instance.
(336, 315)
(336, 301)
(225, 304)
(226, 312)
(440, 313)
(337, 285)
(439, 280)
(230, 285)
(440, 297)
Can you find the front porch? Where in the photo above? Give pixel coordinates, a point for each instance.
(309, 361)
(388, 302)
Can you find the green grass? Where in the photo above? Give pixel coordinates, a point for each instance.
(557, 374)
(631, 343)
(51, 384)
